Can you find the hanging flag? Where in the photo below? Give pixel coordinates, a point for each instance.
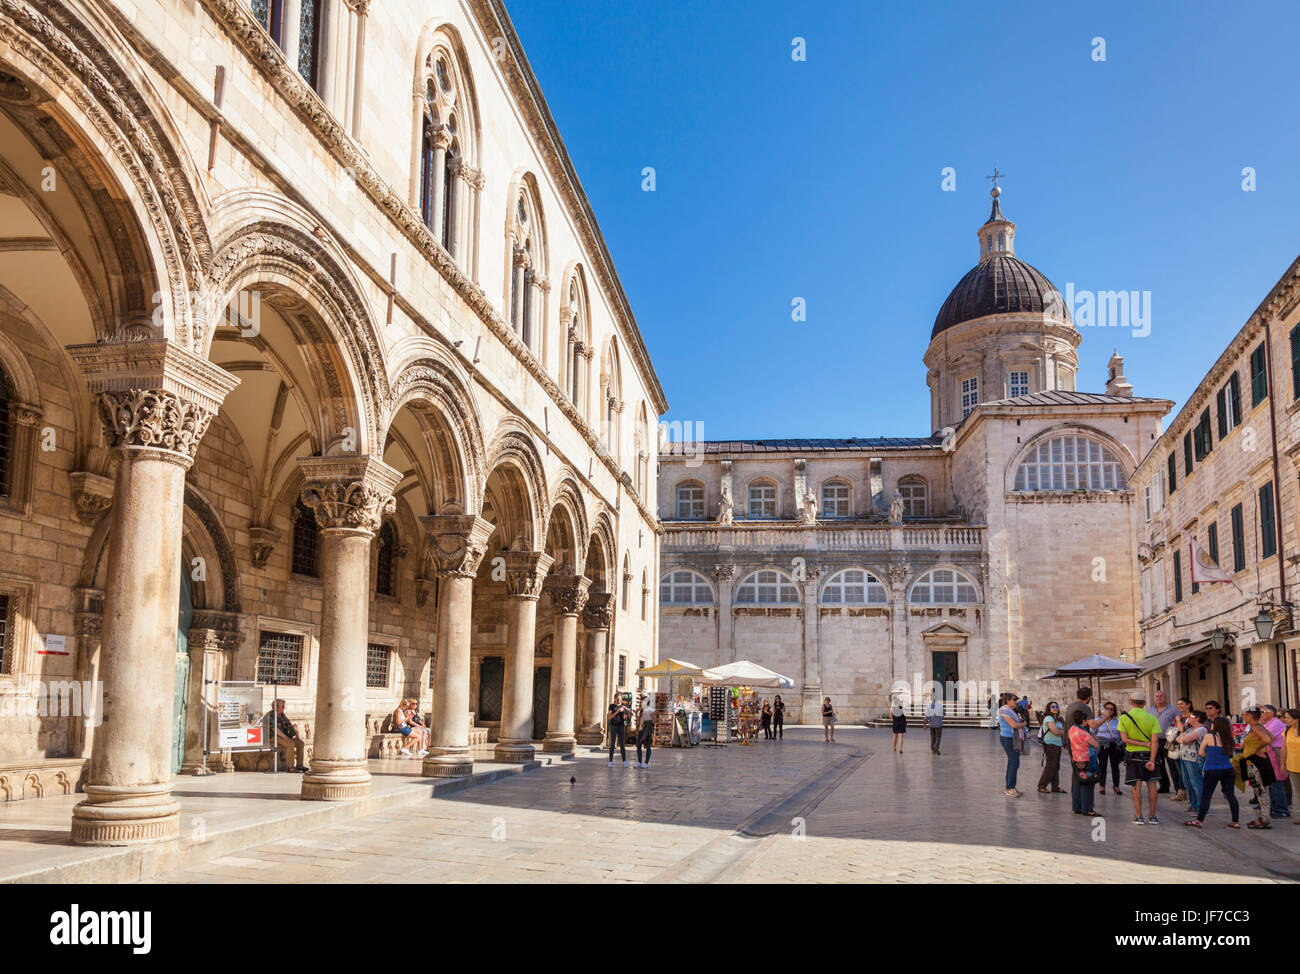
(1204, 570)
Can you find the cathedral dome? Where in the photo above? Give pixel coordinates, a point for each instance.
(1001, 283)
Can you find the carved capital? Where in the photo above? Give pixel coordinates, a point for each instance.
(442, 139)
(521, 257)
(349, 493)
(897, 572)
(215, 630)
(457, 542)
(262, 541)
(568, 593)
(525, 572)
(25, 415)
(152, 394)
(92, 495)
(724, 572)
(599, 611)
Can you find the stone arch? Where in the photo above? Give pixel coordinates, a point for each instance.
(270, 248)
(440, 36)
(512, 449)
(567, 503)
(1127, 462)
(432, 383)
(63, 81)
(603, 549)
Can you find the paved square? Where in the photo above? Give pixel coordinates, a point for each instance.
(733, 815)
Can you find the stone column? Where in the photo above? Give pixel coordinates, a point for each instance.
(525, 571)
(726, 576)
(596, 617)
(517, 311)
(457, 543)
(290, 31)
(898, 620)
(156, 400)
(441, 142)
(568, 598)
(350, 496)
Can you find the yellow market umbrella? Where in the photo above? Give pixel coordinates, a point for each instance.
(671, 669)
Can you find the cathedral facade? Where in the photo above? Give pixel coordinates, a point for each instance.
(977, 558)
(315, 375)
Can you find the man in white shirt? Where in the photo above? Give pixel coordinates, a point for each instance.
(645, 731)
(934, 721)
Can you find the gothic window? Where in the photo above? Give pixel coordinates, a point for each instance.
(762, 500)
(448, 149)
(767, 587)
(970, 395)
(269, 14)
(835, 499)
(943, 586)
(690, 502)
(685, 587)
(916, 501)
(279, 658)
(309, 26)
(306, 536)
(1017, 384)
(527, 251)
(854, 586)
(386, 566)
(1069, 462)
(642, 451)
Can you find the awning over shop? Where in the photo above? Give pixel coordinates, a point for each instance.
(1152, 663)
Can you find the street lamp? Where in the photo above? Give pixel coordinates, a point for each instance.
(1264, 625)
(1218, 638)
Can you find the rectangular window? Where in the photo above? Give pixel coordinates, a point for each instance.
(762, 501)
(1178, 576)
(1247, 661)
(1146, 592)
(1196, 586)
(1173, 471)
(914, 500)
(640, 680)
(1295, 362)
(1158, 595)
(1228, 403)
(1146, 503)
(1018, 384)
(835, 500)
(1212, 542)
(1238, 540)
(430, 669)
(690, 502)
(622, 670)
(1267, 525)
(279, 658)
(377, 665)
(970, 395)
(1203, 436)
(1187, 453)
(1258, 377)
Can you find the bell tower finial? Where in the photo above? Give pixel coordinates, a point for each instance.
(997, 236)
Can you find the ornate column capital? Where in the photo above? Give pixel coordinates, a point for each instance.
(442, 139)
(216, 631)
(897, 572)
(349, 493)
(599, 611)
(25, 415)
(568, 593)
(153, 395)
(262, 541)
(92, 495)
(525, 573)
(457, 542)
(521, 257)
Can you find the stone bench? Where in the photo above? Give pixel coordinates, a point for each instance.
(40, 777)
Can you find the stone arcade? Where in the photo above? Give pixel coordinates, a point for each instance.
(308, 339)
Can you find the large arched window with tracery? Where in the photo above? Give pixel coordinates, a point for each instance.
(854, 586)
(943, 586)
(767, 586)
(575, 342)
(306, 541)
(448, 182)
(1069, 461)
(386, 564)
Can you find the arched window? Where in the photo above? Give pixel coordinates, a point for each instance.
(611, 383)
(306, 537)
(1069, 462)
(943, 586)
(836, 495)
(6, 436)
(527, 240)
(690, 501)
(767, 587)
(916, 499)
(762, 499)
(575, 342)
(854, 586)
(386, 567)
(448, 148)
(642, 449)
(685, 587)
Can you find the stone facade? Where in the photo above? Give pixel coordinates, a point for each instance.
(262, 323)
(1234, 449)
(1034, 574)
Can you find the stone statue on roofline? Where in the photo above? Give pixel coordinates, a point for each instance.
(808, 508)
(724, 508)
(896, 508)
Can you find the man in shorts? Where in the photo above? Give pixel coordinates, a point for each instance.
(1139, 729)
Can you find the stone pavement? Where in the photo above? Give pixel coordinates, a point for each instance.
(734, 814)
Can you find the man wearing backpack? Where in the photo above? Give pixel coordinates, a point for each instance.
(1139, 729)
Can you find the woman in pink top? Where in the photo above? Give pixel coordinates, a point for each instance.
(1081, 740)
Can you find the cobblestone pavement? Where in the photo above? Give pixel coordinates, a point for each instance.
(735, 814)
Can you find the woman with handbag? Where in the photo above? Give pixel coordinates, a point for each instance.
(1083, 750)
(1195, 726)
(1110, 748)
(1010, 727)
(1217, 771)
(1052, 734)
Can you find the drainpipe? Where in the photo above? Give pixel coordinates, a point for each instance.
(1277, 482)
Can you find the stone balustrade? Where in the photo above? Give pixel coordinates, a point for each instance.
(823, 536)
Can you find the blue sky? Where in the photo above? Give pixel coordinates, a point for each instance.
(821, 180)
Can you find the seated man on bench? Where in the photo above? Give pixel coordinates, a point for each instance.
(290, 742)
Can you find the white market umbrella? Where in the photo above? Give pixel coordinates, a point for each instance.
(746, 673)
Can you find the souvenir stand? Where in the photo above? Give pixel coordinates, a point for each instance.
(732, 691)
(677, 722)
